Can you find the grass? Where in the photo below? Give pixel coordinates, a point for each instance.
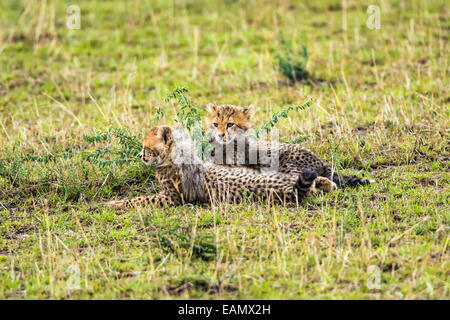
(380, 109)
(291, 65)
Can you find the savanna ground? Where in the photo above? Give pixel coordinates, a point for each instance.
(379, 109)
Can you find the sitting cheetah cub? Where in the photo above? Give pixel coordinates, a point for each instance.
(229, 127)
(184, 178)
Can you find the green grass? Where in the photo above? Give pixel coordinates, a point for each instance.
(380, 107)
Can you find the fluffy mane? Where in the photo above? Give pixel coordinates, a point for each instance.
(185, 155)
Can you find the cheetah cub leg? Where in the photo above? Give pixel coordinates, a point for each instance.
(119, 204)
(322, 185)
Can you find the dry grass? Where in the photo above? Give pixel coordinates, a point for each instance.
(380, 107)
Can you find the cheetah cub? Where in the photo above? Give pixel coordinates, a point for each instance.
(184, 178)
(229, 128)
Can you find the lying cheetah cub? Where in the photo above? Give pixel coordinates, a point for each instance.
(229, 127)
(183, 177)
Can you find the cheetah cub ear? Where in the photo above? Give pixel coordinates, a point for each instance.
(211, 107)
(248, 110)
(165, 132)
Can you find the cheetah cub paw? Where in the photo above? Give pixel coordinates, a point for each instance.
(322, 184)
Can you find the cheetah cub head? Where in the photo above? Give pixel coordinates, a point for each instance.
(169, 145)
(227, 122)
(157, 145)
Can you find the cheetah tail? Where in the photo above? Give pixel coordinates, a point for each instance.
(350, 181)
(304, 182)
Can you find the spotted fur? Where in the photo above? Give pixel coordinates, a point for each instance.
(184, 178)
(289, 158)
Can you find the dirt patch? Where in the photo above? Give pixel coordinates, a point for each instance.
(20, 233)
(14, 293)
(31, 37)
(364, 130)
(425, 182)
(435, 256)
(390, 267)
(5, 253)
(199, 285)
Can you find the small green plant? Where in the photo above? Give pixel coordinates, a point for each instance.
(125, 151)
(290, 64)
(298, 139)
(14, 169)
(277, 116)
(189, 117)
